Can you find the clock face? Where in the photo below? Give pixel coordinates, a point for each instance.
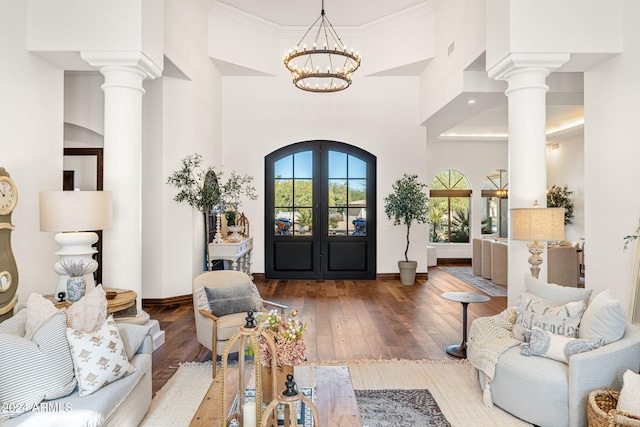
(8, 195)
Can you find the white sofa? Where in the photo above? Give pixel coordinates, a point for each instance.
(551, 393)
(122, 403)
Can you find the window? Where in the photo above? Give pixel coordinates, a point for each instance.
(449, 208)
(347, 195)
(495, 206)
(293, 195)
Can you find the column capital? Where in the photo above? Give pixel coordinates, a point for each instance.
(134, 59)
(521, 61)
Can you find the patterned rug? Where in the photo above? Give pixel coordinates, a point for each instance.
(466, 275)
(399, 408)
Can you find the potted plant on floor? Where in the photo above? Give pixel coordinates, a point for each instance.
(409, 202)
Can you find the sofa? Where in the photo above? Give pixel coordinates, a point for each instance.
(123, 402)
(547, 391)
(490, 260)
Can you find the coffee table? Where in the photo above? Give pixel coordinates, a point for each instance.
(334, 396)
(465, 298)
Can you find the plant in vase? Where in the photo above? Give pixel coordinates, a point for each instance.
(408, 203)
(288, 335)
(76, 284)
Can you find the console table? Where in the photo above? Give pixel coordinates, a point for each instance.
(239, 253)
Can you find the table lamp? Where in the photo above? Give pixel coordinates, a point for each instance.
(534, 224)
(75, 215)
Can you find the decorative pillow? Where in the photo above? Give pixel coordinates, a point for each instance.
(559, 320)
(132, 336)
(236, 299)
(629, 399)
(90, 312)
(15, 325)
(39, 310)
(556, 294)
(556, 347)
(35, 370)
(99, 357)
(604, 318)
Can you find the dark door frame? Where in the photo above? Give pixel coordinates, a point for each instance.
(320, 241)
(99, 153)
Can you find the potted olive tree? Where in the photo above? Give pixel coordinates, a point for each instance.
(198, 187)
(409, 202)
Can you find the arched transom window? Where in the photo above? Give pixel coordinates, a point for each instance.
(449, 207)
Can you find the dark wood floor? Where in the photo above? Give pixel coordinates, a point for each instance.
(347, 319)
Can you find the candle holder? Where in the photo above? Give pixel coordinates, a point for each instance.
(247, 336)
(288, 397)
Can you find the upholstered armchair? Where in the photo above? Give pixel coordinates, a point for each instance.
(564, 265)
(213, 331)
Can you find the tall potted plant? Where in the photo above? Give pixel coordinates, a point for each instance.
(198, 186)
(409, 202)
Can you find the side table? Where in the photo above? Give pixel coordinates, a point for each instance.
(465, 298)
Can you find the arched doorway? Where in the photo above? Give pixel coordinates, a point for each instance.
(320, 198)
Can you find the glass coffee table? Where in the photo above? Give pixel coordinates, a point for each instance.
(464, 298)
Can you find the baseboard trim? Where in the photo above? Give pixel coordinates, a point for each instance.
(454, 260)
(160, 302)
(396, 276)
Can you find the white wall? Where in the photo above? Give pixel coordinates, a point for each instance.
(612, 207)
(565, 166)
(476, 160)
(31, 132)
(379, 115)
(460, 22)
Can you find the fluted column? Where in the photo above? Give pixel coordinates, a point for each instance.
(122, 243)
(526, 77)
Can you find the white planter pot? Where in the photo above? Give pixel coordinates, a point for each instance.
(407, 272)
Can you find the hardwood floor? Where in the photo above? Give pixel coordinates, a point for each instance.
(347, 319)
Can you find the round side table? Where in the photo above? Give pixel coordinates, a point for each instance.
(465, 298)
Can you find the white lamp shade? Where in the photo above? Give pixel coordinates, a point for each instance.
(535, 224)
(63, 211)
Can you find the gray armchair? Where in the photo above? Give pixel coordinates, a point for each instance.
(213, 332)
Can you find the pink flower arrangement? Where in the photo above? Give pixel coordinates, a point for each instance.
(288, 335)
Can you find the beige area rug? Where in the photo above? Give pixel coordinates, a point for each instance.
(176, 402)
(453, 384)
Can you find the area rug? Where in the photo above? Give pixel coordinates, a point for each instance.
(452, 384)
(399, 408)
(466, 275)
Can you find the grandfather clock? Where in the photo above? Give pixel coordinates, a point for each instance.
(8, 267)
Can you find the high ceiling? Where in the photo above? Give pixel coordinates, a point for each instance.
(485, 119)
(304, 12)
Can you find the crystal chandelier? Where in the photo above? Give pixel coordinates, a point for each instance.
(325, 64)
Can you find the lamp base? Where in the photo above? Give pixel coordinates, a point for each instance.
(76, 247)
(535, 260)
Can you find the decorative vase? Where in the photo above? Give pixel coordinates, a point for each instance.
(76, 287)
(267, 377)
(407, 272)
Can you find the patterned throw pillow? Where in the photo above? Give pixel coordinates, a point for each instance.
(556, 347)
(99, 357)
(559, 320)
(90, 312)
(35, 370)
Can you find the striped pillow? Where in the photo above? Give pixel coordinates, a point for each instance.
(35, 370)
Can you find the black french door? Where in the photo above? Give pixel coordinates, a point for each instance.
(320, 212)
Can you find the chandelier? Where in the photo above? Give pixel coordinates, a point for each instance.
(325, 64)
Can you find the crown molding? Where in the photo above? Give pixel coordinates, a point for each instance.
(255, 21)
(397, 17)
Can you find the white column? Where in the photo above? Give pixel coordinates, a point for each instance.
(122, 243)
(526, 76)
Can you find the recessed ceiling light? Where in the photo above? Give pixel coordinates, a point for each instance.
(471, 101)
